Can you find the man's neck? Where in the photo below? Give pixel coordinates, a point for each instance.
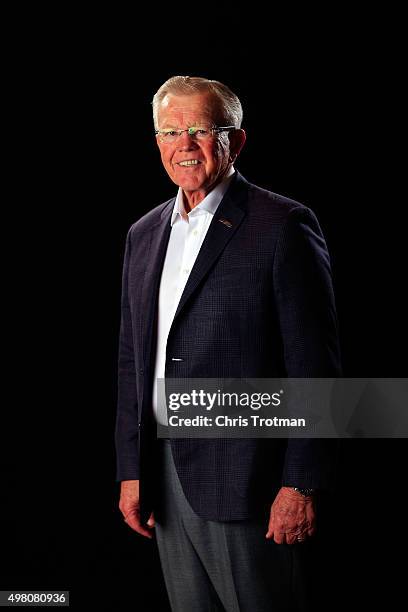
(191, 199)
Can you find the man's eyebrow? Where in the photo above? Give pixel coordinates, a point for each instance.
(168, 127)
(171, 126)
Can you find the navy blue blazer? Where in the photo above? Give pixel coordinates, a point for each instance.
(258, 303)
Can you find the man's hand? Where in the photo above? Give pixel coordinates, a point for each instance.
(130, 507)
(292, 517)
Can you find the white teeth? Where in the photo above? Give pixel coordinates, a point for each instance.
(189, 162)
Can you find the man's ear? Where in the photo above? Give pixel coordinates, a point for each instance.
(237, 140)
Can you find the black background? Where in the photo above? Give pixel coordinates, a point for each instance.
(319, 111)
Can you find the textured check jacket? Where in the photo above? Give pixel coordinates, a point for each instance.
(258, 303)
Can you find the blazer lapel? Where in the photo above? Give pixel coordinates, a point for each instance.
(225, 223)
(156, 251)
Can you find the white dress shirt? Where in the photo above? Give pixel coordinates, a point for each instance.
(188, 231)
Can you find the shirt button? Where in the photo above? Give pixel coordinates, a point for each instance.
(186, 271)
(195, 232)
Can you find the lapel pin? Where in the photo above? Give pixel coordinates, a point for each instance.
(225, 222)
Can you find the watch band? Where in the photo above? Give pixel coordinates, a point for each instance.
(304, 491)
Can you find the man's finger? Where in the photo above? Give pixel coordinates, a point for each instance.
(279, 537)
(274, 533)
(271, 524)
(291, 538)
(269, 533)
(136, 526)
(151, 522)
(134, 523)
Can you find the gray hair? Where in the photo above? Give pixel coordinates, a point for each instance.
(229, 103)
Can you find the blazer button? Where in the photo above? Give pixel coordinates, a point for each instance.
(141, 371)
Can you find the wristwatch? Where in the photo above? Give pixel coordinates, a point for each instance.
(304, 492)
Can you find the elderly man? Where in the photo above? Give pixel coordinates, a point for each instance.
(224, 280)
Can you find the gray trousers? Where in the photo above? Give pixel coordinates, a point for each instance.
(213, 566)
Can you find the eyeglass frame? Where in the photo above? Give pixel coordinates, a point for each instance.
(216, 129)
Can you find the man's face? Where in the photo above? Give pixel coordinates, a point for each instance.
(212, 155)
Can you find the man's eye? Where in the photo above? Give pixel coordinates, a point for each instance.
(202, 132)
(171, 133)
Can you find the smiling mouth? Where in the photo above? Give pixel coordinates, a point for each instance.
(189, 162)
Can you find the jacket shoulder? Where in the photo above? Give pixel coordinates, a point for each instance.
(150, 219)
(270, 204)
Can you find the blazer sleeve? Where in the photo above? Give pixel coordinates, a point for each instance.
(127, 426)
(309, 331)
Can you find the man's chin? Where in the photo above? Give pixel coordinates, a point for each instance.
(188, 185)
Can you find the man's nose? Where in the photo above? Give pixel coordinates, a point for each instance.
(186, 142)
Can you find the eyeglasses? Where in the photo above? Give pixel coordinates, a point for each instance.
(198, 133)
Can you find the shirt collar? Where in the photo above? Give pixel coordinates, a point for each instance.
(210, 203)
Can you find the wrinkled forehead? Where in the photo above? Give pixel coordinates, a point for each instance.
(186, 111)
